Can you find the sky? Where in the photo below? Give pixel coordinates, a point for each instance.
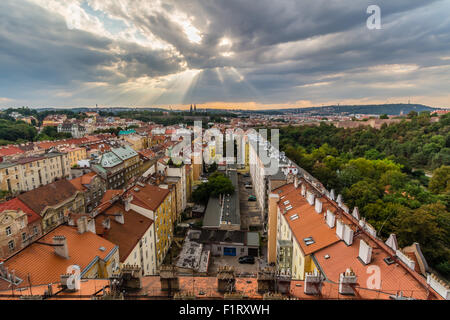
(235, 54)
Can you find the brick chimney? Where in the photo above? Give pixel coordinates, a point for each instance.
(347, 281)
(61, 248)
(272, 228)
(82, 224)
(313, 283)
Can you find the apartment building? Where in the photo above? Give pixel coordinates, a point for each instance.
(75, 154)
(28, 173)
(111, 168)
(131, 161)
(155, 203)
(19, 226)
(54, 202)
(132, 232)
(313, 236)
(93, 187)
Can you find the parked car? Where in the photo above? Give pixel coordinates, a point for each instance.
(252, 198)
(248, 186)
(247, 259)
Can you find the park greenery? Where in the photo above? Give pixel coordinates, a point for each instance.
(217, 184)
(383, 173)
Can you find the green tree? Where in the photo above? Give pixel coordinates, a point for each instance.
(440, 182)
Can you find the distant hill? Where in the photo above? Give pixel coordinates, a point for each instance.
(390, 109)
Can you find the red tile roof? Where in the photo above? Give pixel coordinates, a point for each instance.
(126, 235)
(10, 150)
(15, 204)
(48, 195)
(45, 266)
(149, 197)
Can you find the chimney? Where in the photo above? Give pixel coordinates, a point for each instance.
(340, 229)
(331, 219)
(82, 224)
(348, 235)
(61, 248)
(339, 199)
(272, 228)
(91, 226)
(318, 205)
(128, 202)
(355, 213)
(346, 282)
(313, 283)
(332, 195)
(392, 242)
(310, 197)
(119, 218)
(296, 182)
(365, 252)
(303, 190)
(106, 223)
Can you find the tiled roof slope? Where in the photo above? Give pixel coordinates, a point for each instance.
(48, 195)
(45, 266)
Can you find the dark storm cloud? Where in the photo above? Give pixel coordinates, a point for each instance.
(279, 51)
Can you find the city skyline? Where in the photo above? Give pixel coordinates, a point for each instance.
(287, 54)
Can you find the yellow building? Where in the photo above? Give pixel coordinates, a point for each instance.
(75, 155)
(297, 228)
(155, 203)
(137, 142)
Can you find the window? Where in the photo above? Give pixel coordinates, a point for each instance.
(8, 231)
(24, 237)
(11, 245)
(35, 230)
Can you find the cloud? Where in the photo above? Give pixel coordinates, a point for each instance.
(253, 53)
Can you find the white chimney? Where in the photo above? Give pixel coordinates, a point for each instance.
(392, 242)
(128, 202)
(119, 217)
(332, 195)
(348, 235)
(331, 219)
(365, 252)
(318, 205)
(339, 199)
(296, 182)
(82, 224)
(310, 197)
(439, 286)
(91, 226)
(340, 228)
(355, 213)
(346, 282)
(61, 248)
(303, 190)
